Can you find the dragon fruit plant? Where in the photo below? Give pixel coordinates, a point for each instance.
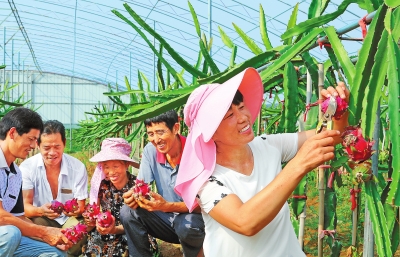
(104, 219)
(341, 107)
(75, 233)
(357, 147)
(71, 205)
(56, 206)
(141, 188)
(91, 211)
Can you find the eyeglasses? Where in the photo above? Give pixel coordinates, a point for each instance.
(160, 133)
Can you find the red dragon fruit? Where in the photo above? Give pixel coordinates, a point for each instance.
(71, 205)
(56, 206)
(357, 147)
(340, 109)
(91, 211)
(76, 233)
(105, 219)
(141, 188)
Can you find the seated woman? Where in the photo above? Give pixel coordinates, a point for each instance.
(109, 182)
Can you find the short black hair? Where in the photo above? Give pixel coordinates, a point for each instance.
(238, 98)
(169, 118)
(53, 127)
(22, 119)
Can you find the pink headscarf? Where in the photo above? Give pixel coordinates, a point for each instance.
(111, 149)
(203, 112)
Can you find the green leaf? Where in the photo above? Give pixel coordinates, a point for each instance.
(393, 76)
(317, 21)
(290, 92)
(195, 20)
(187, 66)
(392, 3)
(291, 23)
(263, 30)
(341, 54)
(208, 58)
(317, 7)
(225, 38)
(248, 41)
(289, 54)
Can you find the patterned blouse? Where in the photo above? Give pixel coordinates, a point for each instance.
(109, 245)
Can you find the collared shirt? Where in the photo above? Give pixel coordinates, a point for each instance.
(11, 187)
(155, 167)
(72, 181)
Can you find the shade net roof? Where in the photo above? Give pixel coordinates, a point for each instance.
(83, 38)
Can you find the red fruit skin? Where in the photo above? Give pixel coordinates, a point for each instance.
(71, 205)
(81, 229)
(105, 219)
(56, 206)
(357, 147)
(141, 188)
(72, 235)
(91, 211)
(341, 107)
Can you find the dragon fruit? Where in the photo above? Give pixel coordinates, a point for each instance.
(76, 233)
(71, 205)
(341, 107)
(141, 188)
(56, 206)
(357, 147)
(105, 219)
(91, 211)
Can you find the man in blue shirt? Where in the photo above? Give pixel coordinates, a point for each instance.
(19, 131)
(165, 216)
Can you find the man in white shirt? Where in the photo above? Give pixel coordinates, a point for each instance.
(54, 175)
(19, 130)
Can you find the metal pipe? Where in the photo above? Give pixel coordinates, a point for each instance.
(321, 172)
(210, 23)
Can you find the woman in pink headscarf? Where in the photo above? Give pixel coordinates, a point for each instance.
(110, 181)
(236, 178)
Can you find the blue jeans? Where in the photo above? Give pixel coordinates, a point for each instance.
(12, 243)
(186, 229)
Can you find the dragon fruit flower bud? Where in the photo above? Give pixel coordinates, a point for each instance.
(91, 211)
(71, 205)
(362, 172)
(357, 147)
(105, 219)
(341, 107)
(56, 206)
(141, 188)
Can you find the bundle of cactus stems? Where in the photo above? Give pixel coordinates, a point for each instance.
(372, 77)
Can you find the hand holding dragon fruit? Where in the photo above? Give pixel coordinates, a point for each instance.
(141, 188)
(357, 147)
(76, 233)
(340, 109)
(56, 206)
(91, 212)
(104, 219)
(71, 205)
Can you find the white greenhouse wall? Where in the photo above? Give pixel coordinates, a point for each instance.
(56, 96)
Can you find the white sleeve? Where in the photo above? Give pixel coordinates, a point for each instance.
(27, 179)
(81, 183)
(286, 143)
(211, 193)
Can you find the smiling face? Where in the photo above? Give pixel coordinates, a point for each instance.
(115, 171)
(52, 148)
(235, 128)
(162, 137)
(23, 144)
